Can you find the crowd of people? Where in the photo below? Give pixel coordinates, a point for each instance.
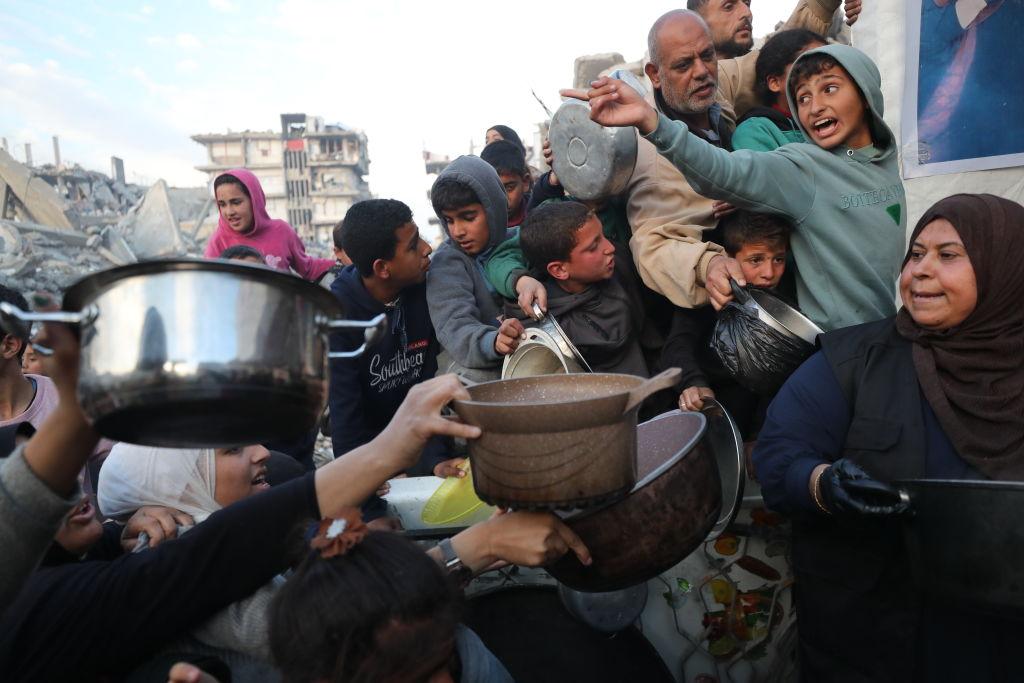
(769, 168)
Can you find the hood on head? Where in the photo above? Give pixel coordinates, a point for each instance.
(481, 177)
(260, 217)
(865, 74)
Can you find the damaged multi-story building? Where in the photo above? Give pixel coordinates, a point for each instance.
(311, 172)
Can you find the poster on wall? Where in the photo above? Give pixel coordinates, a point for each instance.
(963, 106)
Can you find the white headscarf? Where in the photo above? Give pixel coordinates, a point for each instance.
(135, 476)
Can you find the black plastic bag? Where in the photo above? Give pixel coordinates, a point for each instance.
(759, 357)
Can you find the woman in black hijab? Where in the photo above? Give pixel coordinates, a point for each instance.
(935, 392)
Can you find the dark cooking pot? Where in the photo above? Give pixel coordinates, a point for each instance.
(679, 502)
(556, 441)
(965, 542)
(187, 353)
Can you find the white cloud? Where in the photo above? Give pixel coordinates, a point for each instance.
(224, 5)
(147, 10)
(187, 41)
(186, 66)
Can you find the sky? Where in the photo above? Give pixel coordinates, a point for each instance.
(137, 80)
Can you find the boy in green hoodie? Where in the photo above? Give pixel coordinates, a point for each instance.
(842, 190)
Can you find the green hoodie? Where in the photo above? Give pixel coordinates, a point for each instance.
(847, 205)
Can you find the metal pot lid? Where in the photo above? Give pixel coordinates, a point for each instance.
(592, 162)
(549, 325)
(726, 446)
(90, 286)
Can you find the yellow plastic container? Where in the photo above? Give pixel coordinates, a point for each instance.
(455, 502)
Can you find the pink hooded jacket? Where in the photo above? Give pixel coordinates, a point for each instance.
(275, 239)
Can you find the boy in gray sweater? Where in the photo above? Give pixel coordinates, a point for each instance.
(471, 204)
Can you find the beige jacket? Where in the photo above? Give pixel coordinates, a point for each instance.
(666, 215)
(736, 75)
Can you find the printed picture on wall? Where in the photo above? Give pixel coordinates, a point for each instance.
(964, 97)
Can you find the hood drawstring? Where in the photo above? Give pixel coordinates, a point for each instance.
(396, 319)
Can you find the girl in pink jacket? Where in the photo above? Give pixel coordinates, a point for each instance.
(244, 220)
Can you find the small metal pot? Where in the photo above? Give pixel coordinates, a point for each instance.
(690, 489)
(965, 542)
(556, 441)
(592, 162)
(190, 353)
(778, 315)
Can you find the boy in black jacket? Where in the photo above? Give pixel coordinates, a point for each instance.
(759, 242)
(389, 267)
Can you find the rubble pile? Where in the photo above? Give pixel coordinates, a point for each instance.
(59, 224)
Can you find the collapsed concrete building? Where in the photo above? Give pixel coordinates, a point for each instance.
(311, 172)
(59, 223)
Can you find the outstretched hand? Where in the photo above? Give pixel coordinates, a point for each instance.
(419, 418)
(615, 103)
(530, 539)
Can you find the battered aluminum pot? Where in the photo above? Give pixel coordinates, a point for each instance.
(592, 162)
(200, 353)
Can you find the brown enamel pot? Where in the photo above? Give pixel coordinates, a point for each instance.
(673, 508)
(556, 441)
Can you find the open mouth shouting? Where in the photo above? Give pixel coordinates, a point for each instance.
(260, 480)
(825, 127)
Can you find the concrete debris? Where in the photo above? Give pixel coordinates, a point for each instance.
(59, 223)
(588, 67)
(25, 197)
(151, 228)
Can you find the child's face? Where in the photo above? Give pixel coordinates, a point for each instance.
(516, 187)
(777, 82)
(31, 363)
(341, 257)
(235, 207)
(240, 472)
(592, 259)
(467, 226)
(832, 110)
(762, 264)
(411, 261)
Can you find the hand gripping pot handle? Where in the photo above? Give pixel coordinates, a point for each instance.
(20, 323)
(743, 297)
(373, 330)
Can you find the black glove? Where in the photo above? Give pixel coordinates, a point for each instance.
(845, 488)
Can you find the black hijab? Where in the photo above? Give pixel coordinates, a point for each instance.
(973, 374)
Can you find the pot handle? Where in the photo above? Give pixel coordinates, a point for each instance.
(663, 380)
(741, 295)
(374, 329)
(19, 323)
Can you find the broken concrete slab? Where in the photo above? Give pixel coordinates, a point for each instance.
(588, 67)
(30, 198)
(151, 228)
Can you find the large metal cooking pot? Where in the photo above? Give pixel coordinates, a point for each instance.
(187, 353)
(592, 162)
(556, 441)
(965, 542)
(681, 501)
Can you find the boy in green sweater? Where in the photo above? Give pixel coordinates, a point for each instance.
(842, 190)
